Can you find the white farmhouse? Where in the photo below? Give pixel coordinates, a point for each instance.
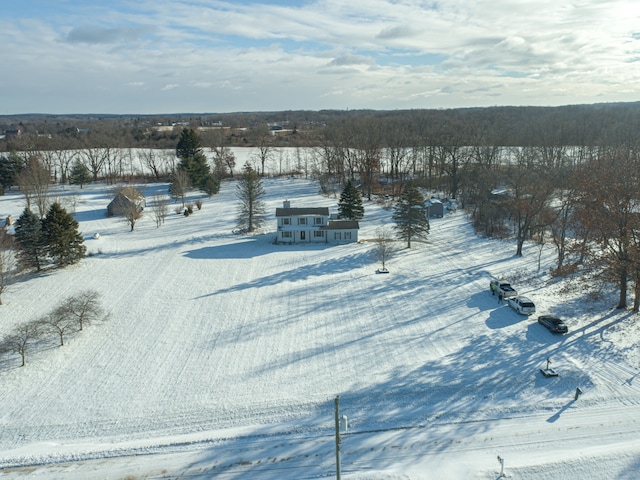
(313, 225)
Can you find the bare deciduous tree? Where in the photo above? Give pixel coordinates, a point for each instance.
(224, 158)
(154, 161)
(180, 185)
(34, 183)
(607, 202)
(58, 321)
(83, 308)
(21, 338)
(95, 158)
(384, 247)
(263, 140)
(132, 214)
(160, 209)
(531, 189)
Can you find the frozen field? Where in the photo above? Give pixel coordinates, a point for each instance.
(223, 354)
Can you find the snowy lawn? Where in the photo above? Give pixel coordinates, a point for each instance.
(222, 356)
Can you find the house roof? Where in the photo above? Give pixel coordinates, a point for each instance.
(290, 212)
(342, 225)
(131, 193)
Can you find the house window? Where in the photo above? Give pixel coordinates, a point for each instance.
(286, 221)
(336, 236)
(318, 233)
(302, 221)
(286, 234)
(318, 221)
(347, 235)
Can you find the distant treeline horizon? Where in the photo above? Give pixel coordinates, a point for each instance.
(586, 124)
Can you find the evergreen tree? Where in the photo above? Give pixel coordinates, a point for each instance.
(210, 185)
(350, 204)
(251, 212)
(64, 243)
(192, 160)
(10, 167)
(31, 240)
(80, 174)
(410, 215)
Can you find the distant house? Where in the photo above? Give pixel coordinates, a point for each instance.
(124, 200)
(312, 225)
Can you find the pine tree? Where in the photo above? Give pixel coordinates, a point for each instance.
(31, 240)
(192, 159)
(410, 215)
(64, 243)
(80, 174)
(251, 212)
(350, 204)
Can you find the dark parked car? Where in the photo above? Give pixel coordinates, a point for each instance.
(554, 324)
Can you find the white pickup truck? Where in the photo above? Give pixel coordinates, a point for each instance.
(498, 287)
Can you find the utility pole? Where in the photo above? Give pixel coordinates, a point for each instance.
(337, 411)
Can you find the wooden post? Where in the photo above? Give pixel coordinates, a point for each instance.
(337, 412)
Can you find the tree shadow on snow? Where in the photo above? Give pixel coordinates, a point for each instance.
(308, 270)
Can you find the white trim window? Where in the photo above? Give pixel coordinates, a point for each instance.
(302, 221)
(286, 221)
(317, 221)
(286, 234)
(318, 233)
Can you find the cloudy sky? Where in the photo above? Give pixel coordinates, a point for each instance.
(157, 56)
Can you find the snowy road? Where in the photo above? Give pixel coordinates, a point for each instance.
(571, 440)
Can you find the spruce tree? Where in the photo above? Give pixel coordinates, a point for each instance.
(410, 215)
(350, 204)
(31, 240)
(192, 160)
(64, 243)
(80, 174)
(10, 167)
(251, 211)
(210, 185)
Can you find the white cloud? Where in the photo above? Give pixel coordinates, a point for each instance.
(236, 56)
(346, 60)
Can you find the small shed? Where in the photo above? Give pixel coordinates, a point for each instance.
(125, 200)
(435, 207)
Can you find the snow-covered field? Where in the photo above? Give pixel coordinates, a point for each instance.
(222, 357)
